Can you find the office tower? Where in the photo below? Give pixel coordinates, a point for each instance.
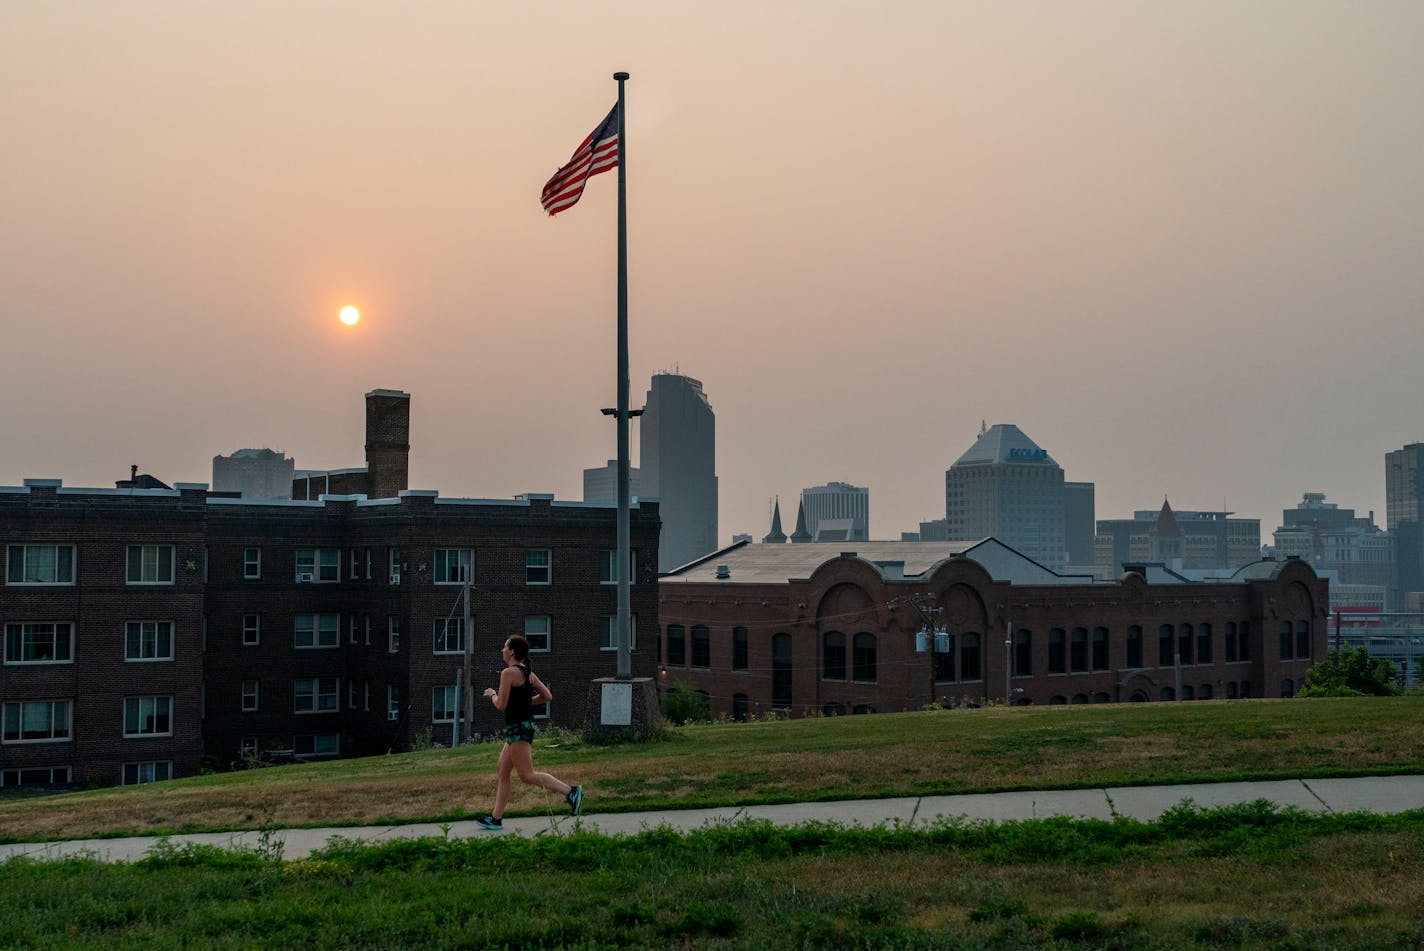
(256, 473)
(1334, 539)
(1188, 538)
(601, 484)
(1404, 507)
(837, 512)
(1079, 521)
(678, 463)
(1008, 488)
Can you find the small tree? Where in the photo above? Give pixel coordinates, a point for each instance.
(682, 704)
(1351, 673)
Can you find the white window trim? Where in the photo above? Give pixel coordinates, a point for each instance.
(73, 565)
(255, 696)
(257, 630)
(4, 630)
(548, 567)
(612, 553)
(123, 773)
(139, 735)
(161, 583)
(316, 632)
(471, 566)
(68, 725)
(316, 695)
(441, 633)
(172, 646)
(450, 694)
(547, 634)
(632, 632)
(246, 565)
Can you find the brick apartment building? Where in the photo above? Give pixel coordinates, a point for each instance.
(812, 629)
(151, 631)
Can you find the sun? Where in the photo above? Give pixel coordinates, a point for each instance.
(350, 315)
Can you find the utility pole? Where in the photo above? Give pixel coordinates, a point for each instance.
(929, 613)
(1008, 661)
(464, 692)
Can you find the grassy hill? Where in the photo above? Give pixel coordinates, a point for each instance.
(939, 752)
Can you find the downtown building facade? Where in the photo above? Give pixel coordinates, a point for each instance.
(150, 632)
(836, 511)
(1404, 517)
(1184, 539)
(677, 457)
(826, 629)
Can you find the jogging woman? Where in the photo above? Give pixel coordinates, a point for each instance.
(519, 689)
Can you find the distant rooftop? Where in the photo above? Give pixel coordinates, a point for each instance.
(1003, 443)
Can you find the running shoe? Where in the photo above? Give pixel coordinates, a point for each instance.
(575, 799)
(489, 822)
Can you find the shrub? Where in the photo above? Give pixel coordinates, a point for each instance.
(682, 704)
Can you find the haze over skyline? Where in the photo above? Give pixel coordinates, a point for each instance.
(1177, 244)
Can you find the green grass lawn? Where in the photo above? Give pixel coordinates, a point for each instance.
(937, 752)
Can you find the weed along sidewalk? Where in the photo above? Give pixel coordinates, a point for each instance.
(1372, 794)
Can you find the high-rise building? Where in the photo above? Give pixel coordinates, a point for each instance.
(1404, 514)
(837, 512)
(1334, 540)
(1006, 487)
(1079, 521)
(1185, 538)
(601, 484)
(256, 473)
(678, 464)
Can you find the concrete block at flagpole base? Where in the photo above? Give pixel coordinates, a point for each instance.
(622, 710)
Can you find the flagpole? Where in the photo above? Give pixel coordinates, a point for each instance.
(625, 656)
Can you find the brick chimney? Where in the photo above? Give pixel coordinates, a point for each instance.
(387, 443)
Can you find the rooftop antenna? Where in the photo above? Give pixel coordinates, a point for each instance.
(983, 426)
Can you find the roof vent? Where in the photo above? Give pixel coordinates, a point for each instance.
(723, 571)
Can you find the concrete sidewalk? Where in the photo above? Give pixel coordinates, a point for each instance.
(1380, 794)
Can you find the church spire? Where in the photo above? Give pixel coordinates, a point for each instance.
(776, 536)
(801, 535)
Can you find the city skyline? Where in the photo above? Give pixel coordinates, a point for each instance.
(1177, 244)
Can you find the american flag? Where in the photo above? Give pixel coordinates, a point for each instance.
(597, 153)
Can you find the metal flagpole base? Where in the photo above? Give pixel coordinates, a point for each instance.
(623, 710)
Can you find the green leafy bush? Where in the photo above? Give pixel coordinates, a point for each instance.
(682, 705)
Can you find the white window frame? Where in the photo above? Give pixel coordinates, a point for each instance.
(464, 559)
(393, 561)
(57, 776)
(251, 695)
(323, 744)
(19, 629)
(537, 574)
(156, 771)
(392, 702)
(355, 565)
(147, 709)
(318, 565)
(351, 693)
(316, 694)
(442, 636)
(160, 629)
(248, 746)
(608, 632)
(251, 564)
(444, 703)
(150, 573)
(546, 634)
(18, 567)
(393, 634)
(251, 632)
(12, 713)
(322, 633)
(608, 566)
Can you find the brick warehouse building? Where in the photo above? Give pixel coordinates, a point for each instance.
(810, 628)
(149, 631)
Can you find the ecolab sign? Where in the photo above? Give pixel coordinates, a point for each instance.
(1028, 453)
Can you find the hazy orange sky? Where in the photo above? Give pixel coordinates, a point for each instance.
(1180, 244)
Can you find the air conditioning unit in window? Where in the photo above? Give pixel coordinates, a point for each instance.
(304, 578)
(395, 577)
(393, 715)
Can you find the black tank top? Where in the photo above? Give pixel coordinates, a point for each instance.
(521, 700)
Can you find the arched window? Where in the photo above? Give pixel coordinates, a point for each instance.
(1078, 650)
(969, 656)
(1134, 646)
(1184, 643)
(701, 646)
(1203, 643)
(1165, 652)
(1080, 698)
(833, 710)
(1188, 693)
(1287, 643)
(943, 646)
(1100, 648)
(739, 707)
(781, 671)
(1205, 692)
(864, 657)
(1057, 701)
(1137, 697)
(739, 648)
(1057, 651)
(1287, 688)
(1100, 697)
(1231, 642)
(1167, 693)
(1302, 640)
(833, 656)
(1023, 653)
(677, 645)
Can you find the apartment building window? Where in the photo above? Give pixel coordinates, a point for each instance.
(454, 565)
(739, 648)
(40, 564)
(701, 646)
(136, 773)
(318, 565)
(353, 628)
(608, 567)
(148, 640)
(148, 716)
(319, 744)
(395, 565)
(443, 700)
(249, 695)
(251, 630)
(450, 635)
(39, 642)
(316, 695)
(351, 693)
(355, 564)
(36, 776)
(37, 721)
(538, 568)
(247, 748)
(536, 631)
(252, 563)
(150, 564)
(608, 632)
(316, 631)
(393, 634)
(392, 702)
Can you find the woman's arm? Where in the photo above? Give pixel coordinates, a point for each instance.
(541, 692)
(500, 698)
